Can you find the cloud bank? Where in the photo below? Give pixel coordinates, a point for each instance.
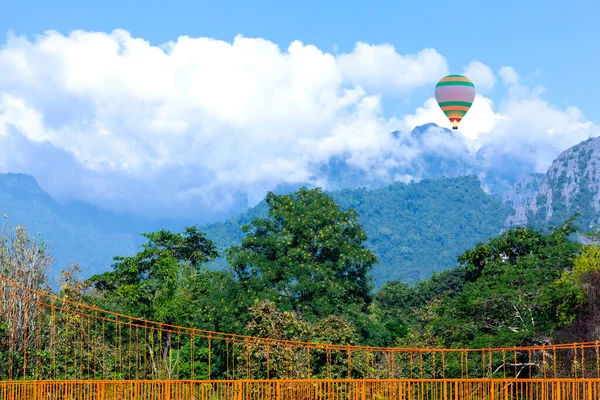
(200, 125)
(523, 126)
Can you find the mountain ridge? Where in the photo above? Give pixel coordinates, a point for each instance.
(392, 216)
(570, 185)
(402, 219)
(24, 202)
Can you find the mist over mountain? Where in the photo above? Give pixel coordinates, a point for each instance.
(428, 200)
(428, 151)
(415, 229)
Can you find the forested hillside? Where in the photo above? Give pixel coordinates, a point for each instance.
(414, 229)
(303, 272)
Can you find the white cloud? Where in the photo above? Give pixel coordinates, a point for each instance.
(244, 116)
(509, 76)
(380, 68)
(199, 124)
(479, 120)
(481, 75)
(523, 125)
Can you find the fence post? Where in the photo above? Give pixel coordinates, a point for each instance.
(445, 391)
(240, 390)
(456, 389)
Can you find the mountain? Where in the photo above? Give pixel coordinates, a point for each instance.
(25, 203)
(572, 184)
(421, 227)
(414, 229)
(428, 151)
(519, 195)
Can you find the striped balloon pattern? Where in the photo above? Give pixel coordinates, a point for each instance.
(455, 95)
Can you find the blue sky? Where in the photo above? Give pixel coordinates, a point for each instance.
(81, 110)
(553, 43)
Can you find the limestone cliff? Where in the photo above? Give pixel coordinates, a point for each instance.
(572, 184)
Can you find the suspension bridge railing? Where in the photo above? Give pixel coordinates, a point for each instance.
(50, 345)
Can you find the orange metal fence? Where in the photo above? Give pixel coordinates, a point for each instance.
(428, 389)
(52, 348)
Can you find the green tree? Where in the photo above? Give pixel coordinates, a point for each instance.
(510, 295)
(400, 308)
(155, 284)
(308, 256)
(274, 360)
(146, 284)
(448, 283)
(578, 303)
(24, 260)
(394, 303)
(334, 363)
(587, 262)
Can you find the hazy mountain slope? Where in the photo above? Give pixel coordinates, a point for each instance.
(428, 151)
(25, 203)
(572, 184)
(521, 194)
(415, 228)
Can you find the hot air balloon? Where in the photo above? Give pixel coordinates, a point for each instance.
(455, 95)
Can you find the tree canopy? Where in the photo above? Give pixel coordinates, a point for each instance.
(150, 284)
(308, 256)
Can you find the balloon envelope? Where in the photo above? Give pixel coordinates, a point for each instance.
(455, 95)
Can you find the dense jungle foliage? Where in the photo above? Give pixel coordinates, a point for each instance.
(304, 273)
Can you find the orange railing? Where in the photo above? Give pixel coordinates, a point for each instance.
(52, 348)
(440, 389)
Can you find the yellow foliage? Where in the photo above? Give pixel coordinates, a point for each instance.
(588, 261)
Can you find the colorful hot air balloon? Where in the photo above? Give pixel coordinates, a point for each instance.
(455, 95)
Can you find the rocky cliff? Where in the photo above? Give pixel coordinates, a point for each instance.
(572, 184)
